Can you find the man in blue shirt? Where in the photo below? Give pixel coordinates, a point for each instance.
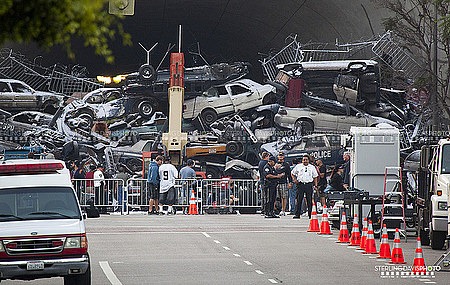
(153, 184)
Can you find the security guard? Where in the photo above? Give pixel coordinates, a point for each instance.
(270, 181)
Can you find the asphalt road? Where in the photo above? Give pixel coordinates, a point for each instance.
(231, 249)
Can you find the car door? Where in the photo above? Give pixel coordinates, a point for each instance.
(323, 121)
(354, 118)
(242, 97)
(25, 97)
(6, 96)
(221, 102)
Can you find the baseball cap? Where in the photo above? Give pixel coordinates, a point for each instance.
(281, 153)
(272, 158)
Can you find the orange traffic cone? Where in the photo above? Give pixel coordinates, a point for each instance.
(314, 222)
(193, 204)
(397, 252)
(371, 247)
(325, 225)
(355, 238)
(362, 245)
(419, 262)
(385, 248)
(343, 231)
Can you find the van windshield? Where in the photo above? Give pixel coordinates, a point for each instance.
(38, 203)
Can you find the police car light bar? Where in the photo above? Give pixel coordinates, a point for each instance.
(30, 168)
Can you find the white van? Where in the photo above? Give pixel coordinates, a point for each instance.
(42, 231)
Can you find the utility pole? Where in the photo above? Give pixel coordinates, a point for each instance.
(434, 93)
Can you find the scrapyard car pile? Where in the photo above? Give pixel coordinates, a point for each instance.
(226, 115)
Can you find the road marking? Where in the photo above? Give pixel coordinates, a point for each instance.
(226, 248)
(109, 273)
(131, 232)
(423, 280)
(430, 282)
(259, 272)
(273, 281)
(216, 241)
(206, 235)
(237, 255)
(118, 262)
(247, 262)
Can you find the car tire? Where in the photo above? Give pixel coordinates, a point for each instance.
(209, 116)
(146, 109)
(303, 127)
(89, 121)
(147, 73)
(270, 98)
(213, 172)
(234, 149)
(79, 279)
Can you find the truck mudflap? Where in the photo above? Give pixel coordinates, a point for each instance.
(34, 269)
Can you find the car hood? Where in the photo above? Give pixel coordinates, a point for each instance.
(41, 227)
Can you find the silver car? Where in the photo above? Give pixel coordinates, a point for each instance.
(16, 95)
(306, 120)
(229, 98)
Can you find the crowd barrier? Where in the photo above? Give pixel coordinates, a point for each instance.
(210, 195)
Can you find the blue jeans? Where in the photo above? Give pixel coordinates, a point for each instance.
(292, 195)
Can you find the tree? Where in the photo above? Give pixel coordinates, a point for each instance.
(59, 22)
(423, 27)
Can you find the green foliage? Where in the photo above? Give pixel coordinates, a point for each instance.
(58, 22)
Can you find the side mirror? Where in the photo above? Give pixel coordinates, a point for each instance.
(84, 216)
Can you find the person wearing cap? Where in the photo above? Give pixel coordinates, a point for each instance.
(305, 176)
(187, 175)
(284, 183)
(167, 193)
(270, 182)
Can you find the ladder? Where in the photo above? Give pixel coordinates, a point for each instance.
(393, 207)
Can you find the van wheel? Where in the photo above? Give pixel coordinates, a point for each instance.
(81, 279)
(437, 239)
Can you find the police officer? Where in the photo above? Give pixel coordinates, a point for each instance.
(270, 181)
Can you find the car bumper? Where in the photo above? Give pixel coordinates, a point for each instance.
(52, 268)
(439, 223)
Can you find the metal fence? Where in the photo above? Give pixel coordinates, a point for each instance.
(210, 195)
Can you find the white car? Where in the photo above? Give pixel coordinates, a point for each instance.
(229, 98)
(306, 120)
(16, 95)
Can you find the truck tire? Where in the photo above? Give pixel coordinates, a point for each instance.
(146, 109)
(437, 239)
(80, 279)
(424, 237)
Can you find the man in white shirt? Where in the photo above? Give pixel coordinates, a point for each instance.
(167, 193)
(305, 176)
(100, 193)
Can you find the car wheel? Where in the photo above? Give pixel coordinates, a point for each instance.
(134, 165)
(146, 109)
(269, 99)
(209, 116)
(213, 172)
(147, 73)
(303, 127)
(49, 108)
(234, 149)
(87, 121)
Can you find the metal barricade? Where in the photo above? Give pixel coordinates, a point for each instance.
(105, 194)
(230, 195)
